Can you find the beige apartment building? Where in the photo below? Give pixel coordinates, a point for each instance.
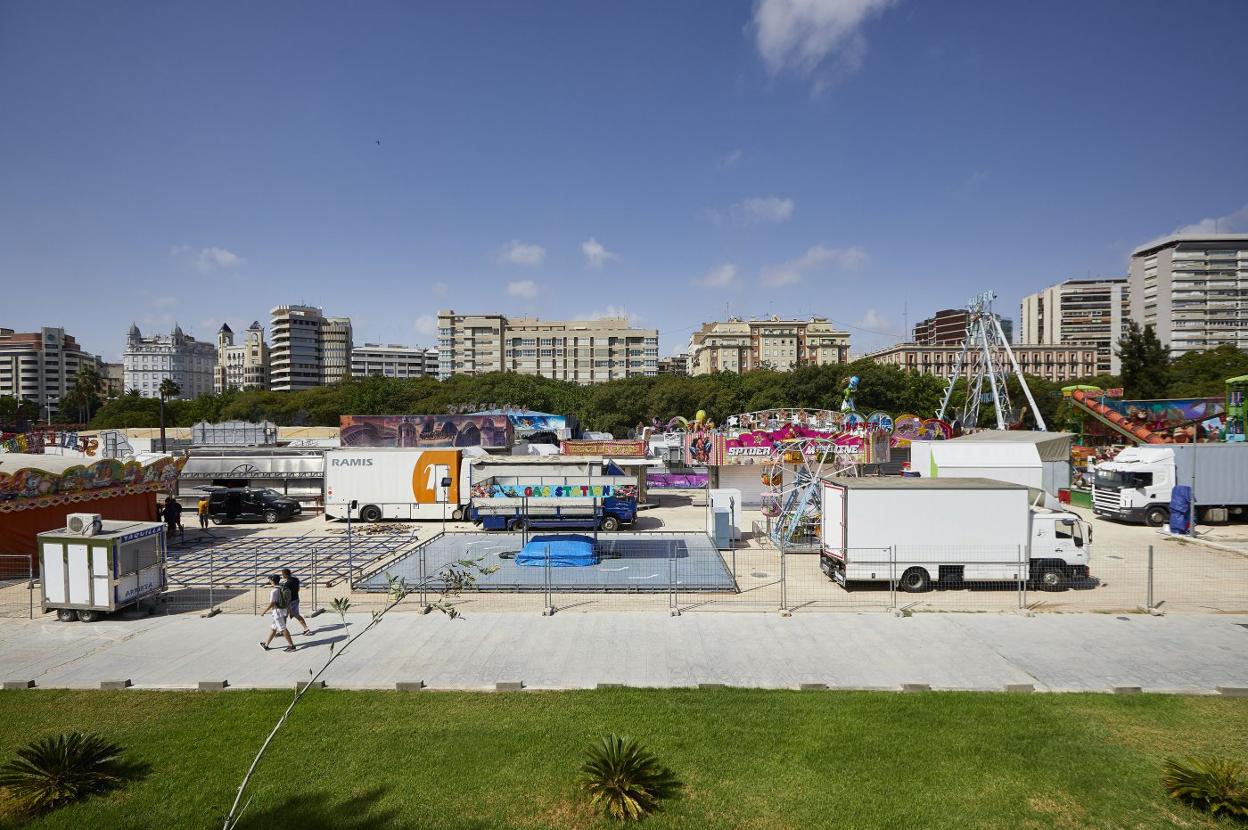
(1052, 363)
(309, 349)
(41, 366)
(582, 351)
(1078, 313)
(244, 365)
(1193, 289)
(738, 345)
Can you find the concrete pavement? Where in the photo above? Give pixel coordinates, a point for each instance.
(1056, 652)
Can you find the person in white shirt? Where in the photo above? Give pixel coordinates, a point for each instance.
(279, 605)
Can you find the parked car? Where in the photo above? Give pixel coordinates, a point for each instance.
(232, 504)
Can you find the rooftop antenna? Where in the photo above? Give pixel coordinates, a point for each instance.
(993, 360)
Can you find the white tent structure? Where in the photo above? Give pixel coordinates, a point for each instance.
(1039, 460)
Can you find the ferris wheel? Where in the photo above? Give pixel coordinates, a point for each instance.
(791, 486)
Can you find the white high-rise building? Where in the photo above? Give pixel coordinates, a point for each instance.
(582, 351)
(1078, 313)
(245, 365)
(393, 361)
(309, 349)
(1193, 290)
(41, 366)
(188, 362)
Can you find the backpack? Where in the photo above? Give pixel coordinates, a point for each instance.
(283, 597)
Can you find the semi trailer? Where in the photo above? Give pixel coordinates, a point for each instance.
(1137, 485)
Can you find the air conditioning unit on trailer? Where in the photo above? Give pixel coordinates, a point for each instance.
(84, 524)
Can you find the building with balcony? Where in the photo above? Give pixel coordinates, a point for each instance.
(309, 349)
(1052, 363)
(677, 364)
(149, 361)
(581, 351)
(738, 345)
(244, 365)
(1078, 313)
(947, 327)
(393, 361)
(41, 366)
(1193, 290)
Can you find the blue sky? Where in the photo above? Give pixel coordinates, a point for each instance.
(861, 159)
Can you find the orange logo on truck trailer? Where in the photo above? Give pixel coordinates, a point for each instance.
(427, 476)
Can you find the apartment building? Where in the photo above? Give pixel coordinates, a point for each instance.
(677, 364)
(1053, 363)
(738, 345)
(309, 349)
(582, 351)
(393, 361)
(112, 380)
(1078, 313)
(148, 361)
(243, 365)
(947, 327)
(1193, 289)
(41, 366)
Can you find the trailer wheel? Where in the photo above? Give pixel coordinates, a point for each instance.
(457, 515)
(66, 614)
(87, 615)
(370, 513)
(915, 581)
(1051, 578)
(610, 523)
(1156, 516)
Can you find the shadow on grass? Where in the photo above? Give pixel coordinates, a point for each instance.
(321, 810)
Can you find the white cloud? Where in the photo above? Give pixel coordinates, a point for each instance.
(596, 255)
(731, 159)
(721, 276)
(163, 302)
(522, 253)
(814, 37)
(974, 180)
(787, 273)
(206, 260)
(1236, 222)
(440, 289)
(426, 324)
(876, 322)
(610, 311)
(525, 289)
(756, 210)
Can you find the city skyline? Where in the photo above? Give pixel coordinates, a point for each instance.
(527, 161)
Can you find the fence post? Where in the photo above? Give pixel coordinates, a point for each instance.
(212, 579)
(784, 591)
(1149, 597)
(424, 578)
(255, 580)
(30, 586)
(892, 577)
(547, 569)
(1022, 578)
(314, 578)
(732, 534)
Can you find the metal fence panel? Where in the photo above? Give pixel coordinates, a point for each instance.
(17, 587)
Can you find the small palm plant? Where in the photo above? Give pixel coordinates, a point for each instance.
(60, 769)
(1218, 785)
(624, 780)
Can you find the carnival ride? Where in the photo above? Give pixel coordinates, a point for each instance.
(791, 479)
(993, 362)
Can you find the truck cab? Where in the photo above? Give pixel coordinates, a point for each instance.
(1135, 486)
(1061, 547)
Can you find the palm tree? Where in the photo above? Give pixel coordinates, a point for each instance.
(168, 389)
(85, 393)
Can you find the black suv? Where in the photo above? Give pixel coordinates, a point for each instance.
(232, 504)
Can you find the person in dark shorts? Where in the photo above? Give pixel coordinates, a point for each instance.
(291, 584)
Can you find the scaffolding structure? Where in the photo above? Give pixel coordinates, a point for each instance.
(992, 360)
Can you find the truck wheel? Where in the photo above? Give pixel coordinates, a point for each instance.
(88, 616)
(370, 513)
(1156, 516)
(610, 523)
(457, 515)
(915, 581)
(270, 516)
(516, 524)
(1051, 578)
(66, 614)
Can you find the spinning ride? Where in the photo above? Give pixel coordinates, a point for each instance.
(791, 481)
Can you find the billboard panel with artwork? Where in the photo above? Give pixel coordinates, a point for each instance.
(489, 431)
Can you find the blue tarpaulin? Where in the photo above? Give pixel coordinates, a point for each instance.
(571, 551)
(1181, 509)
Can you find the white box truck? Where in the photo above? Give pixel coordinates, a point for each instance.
(93, 566)
(1136, 486)
(922, 532)
(378, 483)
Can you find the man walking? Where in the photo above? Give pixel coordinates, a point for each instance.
(173, 515)
(202, 509)
(279, 605)
(291, 584)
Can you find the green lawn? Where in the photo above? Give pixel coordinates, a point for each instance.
(748, 759)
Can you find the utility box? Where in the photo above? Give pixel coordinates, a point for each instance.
(91, 568)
